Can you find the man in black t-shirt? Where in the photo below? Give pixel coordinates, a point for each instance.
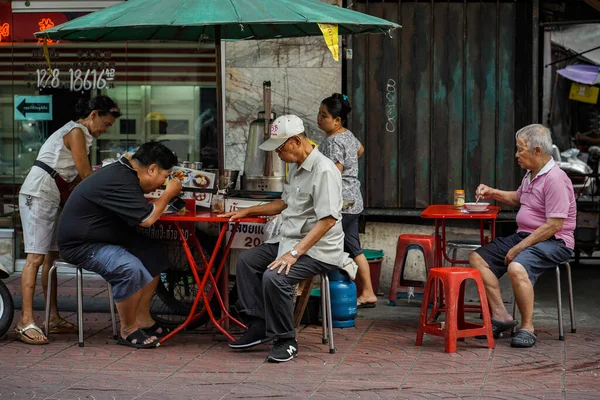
(97, 231)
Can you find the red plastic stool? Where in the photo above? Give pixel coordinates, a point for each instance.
(425, 243)
(453, 281)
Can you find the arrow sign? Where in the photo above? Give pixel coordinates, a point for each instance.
(33, 107)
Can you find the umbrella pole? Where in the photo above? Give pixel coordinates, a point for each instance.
(220, 100)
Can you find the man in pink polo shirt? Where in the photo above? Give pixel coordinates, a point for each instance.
(544, 238)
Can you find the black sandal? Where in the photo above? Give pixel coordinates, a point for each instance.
(523, 339)
(157, 330)
(137, 339)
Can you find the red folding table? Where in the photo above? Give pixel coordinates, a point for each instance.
(207, 273)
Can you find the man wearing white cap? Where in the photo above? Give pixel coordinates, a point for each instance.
(310, 241)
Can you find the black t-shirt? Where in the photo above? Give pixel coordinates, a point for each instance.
(105, 208)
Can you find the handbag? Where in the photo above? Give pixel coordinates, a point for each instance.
(65, 188)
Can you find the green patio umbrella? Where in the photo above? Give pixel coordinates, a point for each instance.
(194, 20)
(202, 20)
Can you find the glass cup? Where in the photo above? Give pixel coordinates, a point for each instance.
(218, 203)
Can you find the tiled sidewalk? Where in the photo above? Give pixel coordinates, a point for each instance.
(378, 359)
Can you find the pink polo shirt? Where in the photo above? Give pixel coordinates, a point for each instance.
(549, 195)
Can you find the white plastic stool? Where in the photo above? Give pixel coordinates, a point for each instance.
(79, 279)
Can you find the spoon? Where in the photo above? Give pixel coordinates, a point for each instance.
(477, 199)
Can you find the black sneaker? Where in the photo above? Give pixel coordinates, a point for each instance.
(254, 335)
(283, 350)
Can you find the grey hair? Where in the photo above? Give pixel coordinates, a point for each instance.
(536, 135)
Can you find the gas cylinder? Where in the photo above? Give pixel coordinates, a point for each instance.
(343, 299)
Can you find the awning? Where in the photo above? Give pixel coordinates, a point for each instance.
(587, 74)
(580, 38)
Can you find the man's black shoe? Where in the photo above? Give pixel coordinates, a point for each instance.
(283, 350)
(254, 335)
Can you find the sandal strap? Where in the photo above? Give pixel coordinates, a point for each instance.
(33, 326)
(139, 336)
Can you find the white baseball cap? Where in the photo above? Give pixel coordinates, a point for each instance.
(282, 129)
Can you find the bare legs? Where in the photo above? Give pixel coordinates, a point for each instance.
(522, 288)
(363, 277)
(135, 310)
(28, 278)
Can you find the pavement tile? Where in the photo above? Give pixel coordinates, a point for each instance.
(37, 383)
(357, 390)
(582, 395)
(521, 395)
(201, 367)
(519, 381)
(292, 372)
(266, 389)
(443, 381)
(189, 392)
(380, 375)
(446, 393)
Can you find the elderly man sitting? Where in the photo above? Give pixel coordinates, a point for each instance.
(544, 237)
(310, 241)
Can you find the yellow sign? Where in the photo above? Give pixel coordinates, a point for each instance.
(330, 33)
(584, 93)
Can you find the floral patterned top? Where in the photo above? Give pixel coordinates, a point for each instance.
(343, 148)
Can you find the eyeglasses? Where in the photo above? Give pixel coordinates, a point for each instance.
(280, 148)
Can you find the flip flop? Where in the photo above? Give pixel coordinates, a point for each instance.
(157, 330)
(25, 338)
(498, 327)
(523, 339)
(137, 339)
(63, 326)
(361, 304)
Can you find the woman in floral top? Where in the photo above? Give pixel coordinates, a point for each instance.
(344, 149)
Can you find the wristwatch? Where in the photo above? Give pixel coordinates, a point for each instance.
(294, 253)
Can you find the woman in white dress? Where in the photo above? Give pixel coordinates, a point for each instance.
(62, 160)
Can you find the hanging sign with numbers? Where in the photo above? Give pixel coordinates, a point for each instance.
(76, 79)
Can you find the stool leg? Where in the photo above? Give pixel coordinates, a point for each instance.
(111, 304)
(461, 321)
(324, 308)
(80, 305)
(451, 307)
(561, 328)
(514, 314)
(329, 316)
(423, 312)
(571, 305)
(48, 297)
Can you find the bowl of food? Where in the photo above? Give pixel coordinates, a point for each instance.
(181, 175)
(200, 180)
(477, 207)
(200, 196)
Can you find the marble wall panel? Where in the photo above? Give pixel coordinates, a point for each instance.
(296, 89)
(302, 73)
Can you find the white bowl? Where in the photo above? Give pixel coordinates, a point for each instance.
(476, 206)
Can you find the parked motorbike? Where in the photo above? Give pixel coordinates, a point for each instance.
(579, 171)
(7, 307)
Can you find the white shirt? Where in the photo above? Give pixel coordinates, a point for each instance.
(56, 155)
(314, 192)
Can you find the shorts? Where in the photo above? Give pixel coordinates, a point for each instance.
(127, 269)
(39, 218)
(535, 259)
(351, 238)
